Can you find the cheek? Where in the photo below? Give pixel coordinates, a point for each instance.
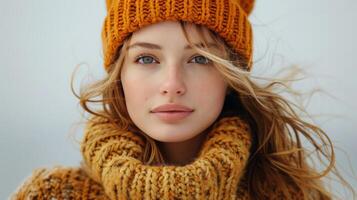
(132, 91)
(136, 91)
(212, 91)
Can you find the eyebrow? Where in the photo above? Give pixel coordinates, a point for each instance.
(155, 46)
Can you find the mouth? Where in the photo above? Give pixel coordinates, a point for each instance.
(171, 111)
(172, 116)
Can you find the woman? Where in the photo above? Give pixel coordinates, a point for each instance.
(182, 117)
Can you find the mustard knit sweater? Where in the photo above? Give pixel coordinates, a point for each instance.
(113, 169)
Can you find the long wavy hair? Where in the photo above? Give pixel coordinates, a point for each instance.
(278, 158)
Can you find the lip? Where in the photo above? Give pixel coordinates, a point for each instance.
(172, 112)
(172, 107)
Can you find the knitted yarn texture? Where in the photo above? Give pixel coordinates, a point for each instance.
(112, 169)
(114, 161)
(228, 18)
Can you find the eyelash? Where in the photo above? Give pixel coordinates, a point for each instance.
(146, 55)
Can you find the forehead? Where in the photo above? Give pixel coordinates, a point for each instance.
(171, 31)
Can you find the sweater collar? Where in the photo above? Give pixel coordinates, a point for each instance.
(112, 157)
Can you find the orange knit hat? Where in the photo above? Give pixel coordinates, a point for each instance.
(228, 18)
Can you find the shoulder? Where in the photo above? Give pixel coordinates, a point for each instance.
(58, 182)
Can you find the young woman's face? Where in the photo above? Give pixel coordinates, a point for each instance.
(161, 69)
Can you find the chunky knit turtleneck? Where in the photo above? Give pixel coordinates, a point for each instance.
(112, 168)
(214, 174)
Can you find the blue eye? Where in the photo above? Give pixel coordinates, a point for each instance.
(203, 59)
(145, 59)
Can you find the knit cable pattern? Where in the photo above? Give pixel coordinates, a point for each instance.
(228, 18)
(59, 182)
(113, 158)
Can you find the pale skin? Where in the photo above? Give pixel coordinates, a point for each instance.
(168, 72)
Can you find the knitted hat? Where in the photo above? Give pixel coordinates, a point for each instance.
(228, 18)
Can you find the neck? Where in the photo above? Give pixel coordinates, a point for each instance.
(182, 153)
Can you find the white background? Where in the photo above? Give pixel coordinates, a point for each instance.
(42, 41)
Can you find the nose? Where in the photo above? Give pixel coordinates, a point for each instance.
(173, 83)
